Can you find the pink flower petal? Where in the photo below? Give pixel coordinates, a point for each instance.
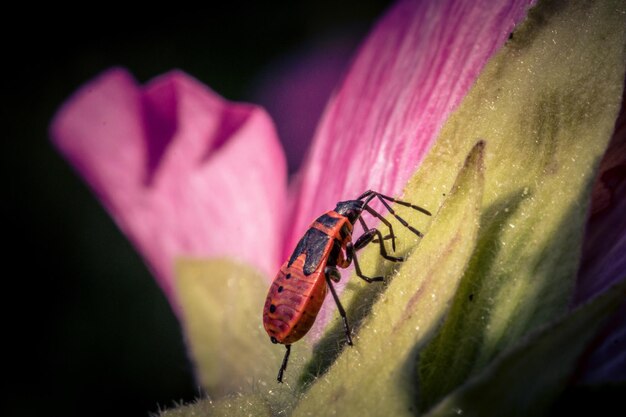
(182, 171)
(412, 72)
(295, 89)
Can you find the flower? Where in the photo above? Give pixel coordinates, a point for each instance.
(180, 169)
(164, 160)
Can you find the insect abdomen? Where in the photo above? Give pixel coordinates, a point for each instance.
(293, 302)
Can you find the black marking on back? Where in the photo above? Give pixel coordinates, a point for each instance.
(313, 244)
(334, 253)
(327, 220)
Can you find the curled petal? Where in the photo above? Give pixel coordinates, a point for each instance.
(412, 72)
(172, 162)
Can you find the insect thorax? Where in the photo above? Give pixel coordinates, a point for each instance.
(351, 209)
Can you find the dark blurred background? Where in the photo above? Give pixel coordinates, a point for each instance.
(87, 330)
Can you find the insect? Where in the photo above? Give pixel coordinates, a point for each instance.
(298, 291)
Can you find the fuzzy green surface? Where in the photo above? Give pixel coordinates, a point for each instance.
(526, 378)
(222, 308)
(546, 104)
(236, 406)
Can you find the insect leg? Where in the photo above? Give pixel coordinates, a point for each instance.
(402, 203)
(351, 254)
(368, 237)
(327, 273)
(366, 228)
(333, 273)
(370, 194)
(400, 219)
(365, 239)
(384, 221)
(283, 367)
